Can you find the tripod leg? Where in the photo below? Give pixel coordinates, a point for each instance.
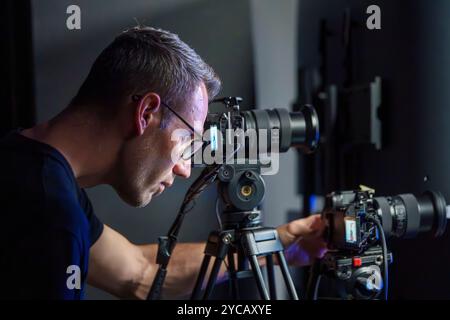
(259, 278)
(200, 278)
(287, 277)
(232, 275)
(271, 277)
(212, 278)
(242, 260)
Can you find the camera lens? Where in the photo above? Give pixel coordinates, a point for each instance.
(296, 129)
(405, 216)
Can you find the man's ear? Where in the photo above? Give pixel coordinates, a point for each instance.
(147, 112)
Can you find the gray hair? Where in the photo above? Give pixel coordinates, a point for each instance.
(143, 59)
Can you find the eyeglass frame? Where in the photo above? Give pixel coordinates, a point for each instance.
(137, 97)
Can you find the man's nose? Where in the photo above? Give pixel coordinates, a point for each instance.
(183, 168)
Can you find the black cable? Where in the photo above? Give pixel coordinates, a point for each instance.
(313, 283)
(316, 287)
(167, 244)
(219, 220)
(385, 256)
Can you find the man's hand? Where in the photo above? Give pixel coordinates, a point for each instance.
(302, 240)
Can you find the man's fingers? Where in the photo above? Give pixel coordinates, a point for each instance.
(307, 227)
(311, 227)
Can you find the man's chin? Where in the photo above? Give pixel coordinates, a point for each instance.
(138, 202)
(144, 200)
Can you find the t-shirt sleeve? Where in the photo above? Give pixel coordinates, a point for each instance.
(60, 266)
(66, 267)
(95, 225)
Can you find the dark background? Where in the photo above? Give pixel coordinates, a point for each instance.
(411, 55)
(258, 48)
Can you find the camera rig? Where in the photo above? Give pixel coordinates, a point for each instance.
(357, 227)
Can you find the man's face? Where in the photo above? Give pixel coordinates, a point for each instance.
(145, 166)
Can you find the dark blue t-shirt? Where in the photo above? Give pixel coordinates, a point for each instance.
(47, 223)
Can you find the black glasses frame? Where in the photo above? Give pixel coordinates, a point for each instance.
(137, 97)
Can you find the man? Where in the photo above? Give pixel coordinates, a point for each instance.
(116, 131)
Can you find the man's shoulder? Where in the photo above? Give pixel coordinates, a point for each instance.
(35, 168)
(40, 184)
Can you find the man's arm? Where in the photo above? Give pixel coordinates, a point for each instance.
(127, 270)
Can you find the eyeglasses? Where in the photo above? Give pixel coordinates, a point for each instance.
(196, 143)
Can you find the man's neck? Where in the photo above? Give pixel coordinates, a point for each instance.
(84, 140)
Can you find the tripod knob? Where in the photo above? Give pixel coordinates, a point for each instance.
(366, 282)
(241, 188)
(371, 284)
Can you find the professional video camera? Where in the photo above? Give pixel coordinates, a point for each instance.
(357, 227)
(242, 137)
(240, 141)
(237, 146)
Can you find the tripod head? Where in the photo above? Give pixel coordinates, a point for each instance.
(241, 238)
(241, 189)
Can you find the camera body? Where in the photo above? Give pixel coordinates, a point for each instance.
(255, 136)
(355, 258)
(221, 126)
(349, 216)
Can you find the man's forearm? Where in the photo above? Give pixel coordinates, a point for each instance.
(186, 259)
(127, 270)
(181, 273)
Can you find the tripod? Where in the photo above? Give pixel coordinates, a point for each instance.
(247, 240)
(243, 239)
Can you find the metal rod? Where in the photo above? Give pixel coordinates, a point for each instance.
(271, 277)
(259, 278)
(212, 278)
(232, 275)
(287, 278)
(200, 278)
